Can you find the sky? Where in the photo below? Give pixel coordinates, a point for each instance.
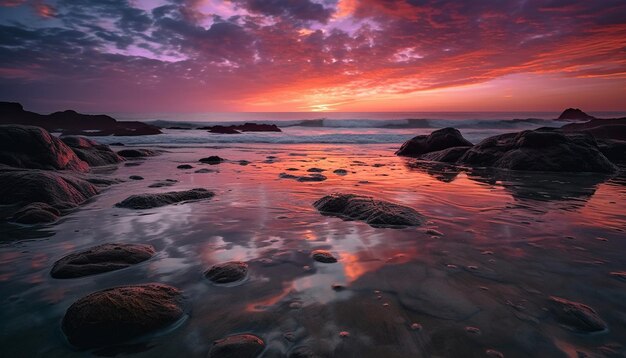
(140, 56)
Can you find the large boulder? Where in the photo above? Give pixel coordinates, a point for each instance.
(438, 140)
(543, 149)
(376, 213)
(101, 258)
(147, 201)
(575, 114)
(449, 155)
(34, 148)
(91, 152)
(119, 314)
(57, 189)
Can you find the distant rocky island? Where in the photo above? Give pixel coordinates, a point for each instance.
(575, 114)
(72, 122)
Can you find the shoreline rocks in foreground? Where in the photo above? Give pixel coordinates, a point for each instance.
(119, 314)
(148, 201)
(376, 213)
(100, 259)
(227, 272)
(91, 152)
(543, 149)
(237, 346)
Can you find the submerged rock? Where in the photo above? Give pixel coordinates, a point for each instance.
(163, 183)
(137, 153)
(147, 201)
(576, 316)
(438, 140)
(227, 272)
(36, 213)
(340, 171)
(539, 150)
(34, 148)
(372, 211)
(57, 189)
(185, 166)
(91, 152)
(237, 346)
(101, 258)
(323, 256)
(119, 314)
(316, 170)
(304, 178)
(214, 159)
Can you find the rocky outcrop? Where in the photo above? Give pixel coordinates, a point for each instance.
(147, 201)
(574, 114)
(376, 213)
(72, 122)
(34, 148)
(614, 150)
(57, 189)
(119, 314)
(227, 272)
(539, 150)
(438, 140)
(91, 152)
(576, 316)
(237, 346)
(247, 127)
(101, 258)
(600, 128)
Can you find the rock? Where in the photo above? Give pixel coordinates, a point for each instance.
(147, 201)
(91, 152)
(72, 122)
(36, 213)
(57, 189)
(214, 159)
(600, 128)
(135, 177)
(34, 148)
(323, 256)
(237, 346)
(305, 178)
(101, 258)
(575, 114)
(185, 166)
(449, 155)
(539, 150)
(614, 150)
(438, 140)
(376, 213)
(576, 316)
(227, 272)
(223, 130)
(340, 171)
(204, 171)
(316, 170)
(244, 162)
(163, 183)
(137, 153)
(119, 314)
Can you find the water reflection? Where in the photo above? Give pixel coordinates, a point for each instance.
(495, 246)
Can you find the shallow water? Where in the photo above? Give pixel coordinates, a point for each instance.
(509, 240)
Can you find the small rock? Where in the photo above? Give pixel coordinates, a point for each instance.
(416, 326)
(344, 334)
(135, 177)
(340, 171)
(237, 346)
(227, 272)
(214, 159)
(472, 330)
(323, 256)
(316, 170)
(185, 166)
(576, 316)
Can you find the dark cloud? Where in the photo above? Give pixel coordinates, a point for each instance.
(296, 9)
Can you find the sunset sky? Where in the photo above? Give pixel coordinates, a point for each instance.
(313, 55)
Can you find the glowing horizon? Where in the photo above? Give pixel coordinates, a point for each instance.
(313, 55)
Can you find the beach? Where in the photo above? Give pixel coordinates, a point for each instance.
(475, 279)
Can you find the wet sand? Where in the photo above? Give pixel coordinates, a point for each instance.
(473, 281)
